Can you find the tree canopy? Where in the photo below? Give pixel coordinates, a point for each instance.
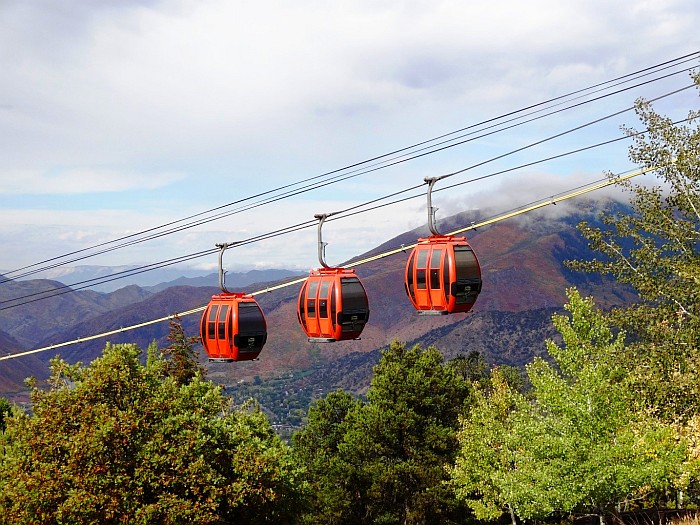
(613, 419)
(383, 461)
(576, 443)
(654, 249)
(610, 420)
(118, 441)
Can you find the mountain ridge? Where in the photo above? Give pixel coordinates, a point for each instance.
(524, 282)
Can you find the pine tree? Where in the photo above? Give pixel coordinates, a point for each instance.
(5, 409)
(383, 461)
(181, 359)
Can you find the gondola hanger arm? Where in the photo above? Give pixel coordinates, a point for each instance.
(222, 273)
(321, 245)
(432, 226)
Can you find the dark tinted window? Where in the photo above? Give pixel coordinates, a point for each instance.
(222, 321)
(435, 269)
(465, 261)
(420, 279)
(446, 274)
(334, 303)
(422, 258)
(313, 287)
(250, 318)
(322, 299)
(435, 258)
(311, 303)
(354, 297)
(211, 324)
(435, 279)
(203, 328)
(302, 314)
(409, 274)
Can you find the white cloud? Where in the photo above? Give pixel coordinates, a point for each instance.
(214, 77)
(232, 98)
(82, 181)
(538, 186)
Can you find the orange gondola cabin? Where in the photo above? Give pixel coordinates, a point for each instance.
(333, 305)
(442, 275)
(233, 328)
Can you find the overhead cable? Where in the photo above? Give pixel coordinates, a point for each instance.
(535, 205)
(360, 208)
(131, 238)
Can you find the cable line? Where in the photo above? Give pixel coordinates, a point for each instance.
(131, 237)
(535, 205)
(46, 294)
(525, 121)
(343, 177)
(68, 288)
(561, 134)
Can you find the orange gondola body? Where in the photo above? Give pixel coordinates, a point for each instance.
(332, 305)
(233, 328)
(442, 275)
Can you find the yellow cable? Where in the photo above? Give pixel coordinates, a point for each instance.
(499, 218)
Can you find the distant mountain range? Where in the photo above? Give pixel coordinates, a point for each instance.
(234, 280)
(111, 278)
(524, 282)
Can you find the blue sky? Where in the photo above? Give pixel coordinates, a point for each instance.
(117, 116)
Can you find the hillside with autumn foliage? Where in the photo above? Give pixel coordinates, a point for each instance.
(524, 280)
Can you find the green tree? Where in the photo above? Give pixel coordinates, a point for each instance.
(181, 359)
(513, 376)
(584, 433)
(654, 249)
(335, 488)
(486, 452)
(388, 455)
(406, 434)
(118, 441)
(5, 409)
(579, 444)
(471, 367)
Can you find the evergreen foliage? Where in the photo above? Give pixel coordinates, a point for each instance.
(472, 367)
(181, 358)
(336, 487)
(383, 461)
(118, 441)
(5, 409)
